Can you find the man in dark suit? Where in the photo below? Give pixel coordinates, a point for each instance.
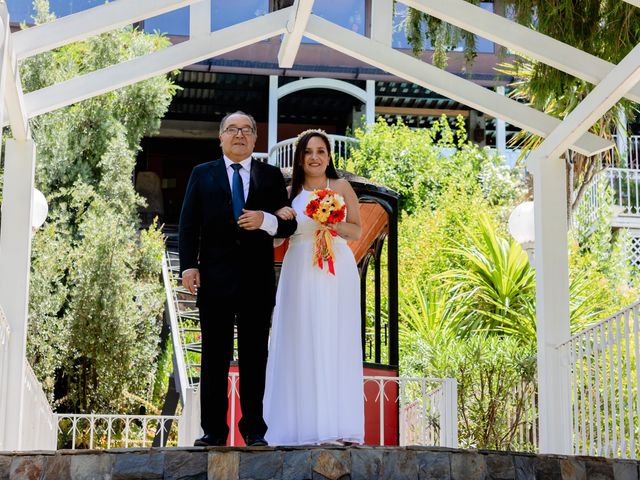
(227, 227)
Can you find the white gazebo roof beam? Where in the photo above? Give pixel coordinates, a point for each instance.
(520, 39)
(13, 97)
(93, 21)
(300, 13)
(634, 2)
(602, 98)
(445, 83)
(157, 63)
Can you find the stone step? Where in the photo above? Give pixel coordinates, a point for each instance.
(314, 463)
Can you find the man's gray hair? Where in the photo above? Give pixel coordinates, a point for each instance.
(238, 112)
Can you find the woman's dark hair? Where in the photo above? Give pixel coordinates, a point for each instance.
(297, 175)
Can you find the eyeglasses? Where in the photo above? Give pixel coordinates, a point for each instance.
(234, 130)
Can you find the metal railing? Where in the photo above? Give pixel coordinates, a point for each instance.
(38, 420)
(604, 375)
(89, 431)
(427, 409)
(622, 181)
(522, 418)
(281, 154)
(624, 185)
(5, 333)
(180, 370)
(630, 158)
(185, 328)
(263, 157)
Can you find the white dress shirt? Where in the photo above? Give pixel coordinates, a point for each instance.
(269, 221)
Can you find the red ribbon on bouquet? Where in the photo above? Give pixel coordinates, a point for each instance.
(323, 248)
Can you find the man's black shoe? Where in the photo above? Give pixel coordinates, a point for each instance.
(209, 440)
(255, 441)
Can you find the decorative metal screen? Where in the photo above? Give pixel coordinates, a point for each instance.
(634, 247)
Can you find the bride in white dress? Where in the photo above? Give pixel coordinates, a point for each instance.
(314, 390)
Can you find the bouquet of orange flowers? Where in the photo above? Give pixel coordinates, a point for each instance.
(327, 208)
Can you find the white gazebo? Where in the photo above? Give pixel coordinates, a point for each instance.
(613, 82)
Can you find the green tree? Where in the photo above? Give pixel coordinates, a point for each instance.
(95, 300)
(608, 29)
(605, 28)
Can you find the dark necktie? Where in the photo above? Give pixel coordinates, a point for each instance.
(237, 191)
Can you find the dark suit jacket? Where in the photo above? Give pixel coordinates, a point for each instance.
(232, 261)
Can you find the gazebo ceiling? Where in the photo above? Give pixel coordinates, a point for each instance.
(208, 96)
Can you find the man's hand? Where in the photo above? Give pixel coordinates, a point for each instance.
(191, 280)
(250, 219)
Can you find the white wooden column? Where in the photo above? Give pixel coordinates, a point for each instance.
(501, 129)
(273, 113)
(15, 261)
(382, 32)
(370, 104)
(382, 21)
(622, 138)
(200, 19)
(552, 302)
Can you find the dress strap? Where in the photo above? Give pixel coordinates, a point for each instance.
(327, 184)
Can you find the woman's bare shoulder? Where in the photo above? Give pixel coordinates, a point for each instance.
(342, 186)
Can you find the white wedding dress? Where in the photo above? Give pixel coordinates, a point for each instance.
(314, 390)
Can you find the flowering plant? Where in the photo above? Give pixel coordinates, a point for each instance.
(326, 207)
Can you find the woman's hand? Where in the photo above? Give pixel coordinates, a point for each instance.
(286, 213)
(339, 229)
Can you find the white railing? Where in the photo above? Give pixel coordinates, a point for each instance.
(604, 375)
(183, 316)
(623, 183)
(419, 411)
(180, 373)
(522, 418)
(621, 189)
(281, 154)
(632, 157)
(5, 332)
(38, 420)
(427, 409)
(625, 188)
(92, 430)
(185, 331)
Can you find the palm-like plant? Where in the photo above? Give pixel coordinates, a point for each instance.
(429, 314)
(495, 288)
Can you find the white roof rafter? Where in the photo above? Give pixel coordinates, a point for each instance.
(295, 29)
(296, 21)
(445, 83)
(13, 97)
(520, 39)
(163, 61)
(94, 21)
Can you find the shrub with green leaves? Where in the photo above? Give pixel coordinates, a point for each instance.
(95, 299)
(424, 164)
(467, 290)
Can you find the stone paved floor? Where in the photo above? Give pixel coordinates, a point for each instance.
(314, 463)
